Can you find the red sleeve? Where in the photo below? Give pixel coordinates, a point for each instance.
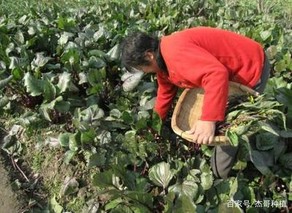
(200, 68)
(215, 85)
(165, 94)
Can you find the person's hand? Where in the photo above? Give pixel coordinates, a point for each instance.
(203, 132)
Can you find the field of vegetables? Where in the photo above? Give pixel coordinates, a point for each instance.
(79, 143)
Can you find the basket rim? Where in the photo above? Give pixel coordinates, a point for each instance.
(219, 139)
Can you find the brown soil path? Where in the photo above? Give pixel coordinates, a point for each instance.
(8, 199)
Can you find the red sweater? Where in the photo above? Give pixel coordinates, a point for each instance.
(208, 58)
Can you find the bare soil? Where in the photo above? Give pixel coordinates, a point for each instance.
(9, 202)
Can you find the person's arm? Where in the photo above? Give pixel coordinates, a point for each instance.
(205, 70)
(215, 85)
(165, 94)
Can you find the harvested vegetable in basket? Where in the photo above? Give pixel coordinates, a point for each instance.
(248, 114)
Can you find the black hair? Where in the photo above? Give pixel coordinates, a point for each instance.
(134, 47)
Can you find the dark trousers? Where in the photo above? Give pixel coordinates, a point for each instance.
(224, 157)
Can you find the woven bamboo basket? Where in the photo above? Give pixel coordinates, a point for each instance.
(188, 110)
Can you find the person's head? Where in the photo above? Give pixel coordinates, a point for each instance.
(138, 51)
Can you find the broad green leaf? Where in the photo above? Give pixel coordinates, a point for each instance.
(2, 65)
(17, 73)
(57, 104)
(65, 36)
(3, 101)
(95, 62)
(206, 180)
(265, 34)
(5, 82)
(200, 209)
(161, 174)
(100, 33)
(131, 80)
(40, 60)
(129, 178)
(70, 56)
(271, 51)
(141, 123)
(115, 113)
(204, 166)
(193, 175)
(19, 37)
(49, 91)
(169, 202)
(29, 118)
(32, 30)
(188, 188)
(45, 111)
(87, 137)
(148, 104)
(68, 156)
(97, 53)
(125, 208)
(82, 78)
(23, 19)
(233, 188)
(127, 117)
(55, 206)
(284, 96)
(103, 179)
(97, 159)
(222, 190)
(91, 114)
(279, 149)
(212, 196)
(74, 142)
(274, 84)
(156, 122)
(14, 62)
(184, 204)
(260, 162)
(240, 165)
(113, 204)
(104, 137)
(286, 160)
(141, 184)
(142, 198)
(64, 80)
(8, 50)
(286, 134)
(64, 139)
(70, 186)
(114, 53)
(266, 141)
(62, 106)
(280, 66)
(9, 141)
(96, 76)
(143, 115)
(66, 23)
(130, 141)
(33, 85)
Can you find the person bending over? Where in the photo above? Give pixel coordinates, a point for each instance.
(199, 57)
